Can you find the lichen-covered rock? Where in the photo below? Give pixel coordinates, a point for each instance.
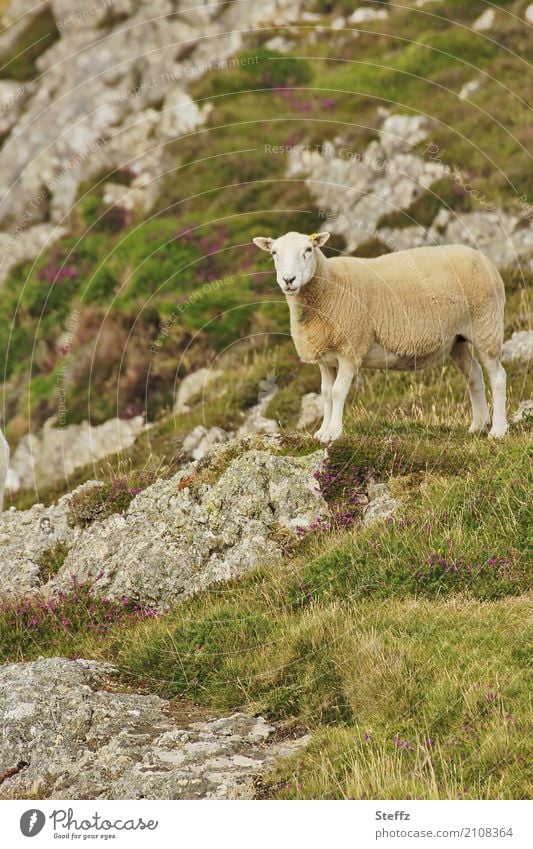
(174, 540)
(25, 535)
(68, 737)
(524, 412)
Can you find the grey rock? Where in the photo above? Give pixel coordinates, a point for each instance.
(524, 412)
(175, 539)
(311, 410)
(81, 741)
(356, 189)
(381, 504)
(200, 441)
(25, 535)
(56, 452)
(192, 385)
(519, 348)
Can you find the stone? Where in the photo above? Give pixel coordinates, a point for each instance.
(519, 348)
(192, 385)
(311, 410)
(485, 21)
(367, 13)
(256, 421)
(200, 441)
(181, 115)
(470, 88)
(55, 453)
(354, 190)
(524, 412)
(529, 14)
(81, 737)
(25, 535)
(381, 504)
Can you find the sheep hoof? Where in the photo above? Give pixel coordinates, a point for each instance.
(497, 432)
(477, 428)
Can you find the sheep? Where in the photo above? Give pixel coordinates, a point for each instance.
(402, 311)
(4, 463)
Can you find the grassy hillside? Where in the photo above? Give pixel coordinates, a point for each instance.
(128, 277)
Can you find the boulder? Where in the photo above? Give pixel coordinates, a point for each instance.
(66, 735)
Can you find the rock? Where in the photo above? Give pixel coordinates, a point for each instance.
(366, 13)
(519, 348)
(485, 21)
(179, 535)
(56, 452)
(113, 64)
(470, 88)
(192, 385)
(12, 95)
(524, 412)
(354, 190)
(81, 741)
(381, 504)
(25, 535)
(20, 246)
(529, 14)
(200, 441)
(312, 409)
(279, 43)
(338, 23)
(256, 421)
(181, 115)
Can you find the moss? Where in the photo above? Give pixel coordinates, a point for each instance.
(51, 560)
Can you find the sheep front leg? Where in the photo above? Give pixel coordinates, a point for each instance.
(327, 373)
(345, 374)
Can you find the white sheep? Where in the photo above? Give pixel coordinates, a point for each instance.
(401, 311)
(4, 463)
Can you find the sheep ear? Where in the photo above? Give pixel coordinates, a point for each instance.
(263, 242)
(320, 239)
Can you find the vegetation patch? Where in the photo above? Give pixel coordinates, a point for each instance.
(52, 559)
(99, 502)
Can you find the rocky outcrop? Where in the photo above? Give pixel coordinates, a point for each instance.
(354, 190)
(25, 535)
(66, 736)
(178, 536)
(112, 90)
(56, 452)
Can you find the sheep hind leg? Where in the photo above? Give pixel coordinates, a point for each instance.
(498, 383)
(327, 374)
(467, 364)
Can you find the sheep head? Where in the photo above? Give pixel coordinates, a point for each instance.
(295, 258)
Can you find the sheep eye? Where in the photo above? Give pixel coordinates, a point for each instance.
(273, 254)
(307, 250)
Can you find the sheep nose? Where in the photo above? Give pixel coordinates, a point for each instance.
(288, 279)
